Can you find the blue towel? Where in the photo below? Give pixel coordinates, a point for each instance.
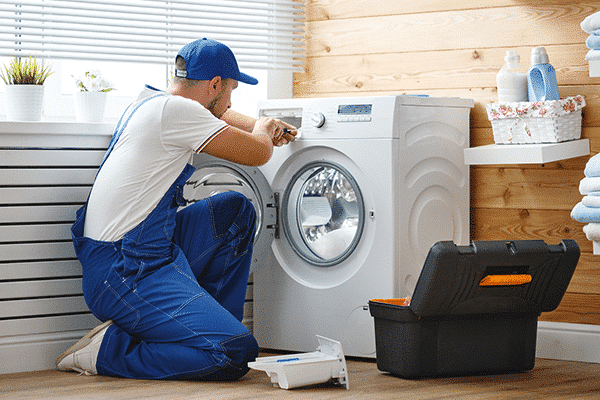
(592, 168)
(593, 42)
(585, 214)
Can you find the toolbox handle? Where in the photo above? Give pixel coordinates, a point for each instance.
(505, 280)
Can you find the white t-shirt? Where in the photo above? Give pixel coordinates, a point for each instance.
(157, 143)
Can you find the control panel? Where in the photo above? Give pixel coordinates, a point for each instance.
(354, 112)
(335, 118)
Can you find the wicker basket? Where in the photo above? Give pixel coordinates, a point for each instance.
(547, 122)
(537, 130)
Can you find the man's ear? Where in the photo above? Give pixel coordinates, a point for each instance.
(215, 86)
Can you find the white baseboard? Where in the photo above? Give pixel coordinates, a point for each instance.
(34, 352)
(558, 341)
(571, 342)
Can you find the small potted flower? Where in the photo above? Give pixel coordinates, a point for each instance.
(24, 91)
(90, 99)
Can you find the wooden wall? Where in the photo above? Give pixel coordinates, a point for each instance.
(455, 49)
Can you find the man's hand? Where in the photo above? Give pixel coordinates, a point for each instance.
(284, 134)
(280, 132)
(267, 126)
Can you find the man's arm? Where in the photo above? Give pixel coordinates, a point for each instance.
(238, 120)
(247, 148)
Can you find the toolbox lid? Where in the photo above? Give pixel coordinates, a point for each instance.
(492, 277)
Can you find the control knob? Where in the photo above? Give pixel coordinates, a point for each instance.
(317, 119)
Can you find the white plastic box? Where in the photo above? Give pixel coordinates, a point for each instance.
(294, 370)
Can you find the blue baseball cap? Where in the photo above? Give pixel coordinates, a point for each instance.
(206, 58)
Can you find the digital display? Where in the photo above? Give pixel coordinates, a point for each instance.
(355, 109)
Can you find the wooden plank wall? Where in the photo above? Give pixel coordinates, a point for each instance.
(444, 48)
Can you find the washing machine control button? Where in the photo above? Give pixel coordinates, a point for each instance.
(317, 119)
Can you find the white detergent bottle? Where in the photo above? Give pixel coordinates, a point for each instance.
(512, 79)
(541, 78)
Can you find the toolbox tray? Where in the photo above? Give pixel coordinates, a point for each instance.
(474, 309)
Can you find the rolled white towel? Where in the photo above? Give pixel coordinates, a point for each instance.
(589, 185)
(591, 23)
(591, 201)
(592, 55)
(592, 167)
(592, 231)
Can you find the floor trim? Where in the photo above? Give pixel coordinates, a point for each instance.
(570, 342)
(558, 341)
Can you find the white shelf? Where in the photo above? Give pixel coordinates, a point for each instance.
(538, 153)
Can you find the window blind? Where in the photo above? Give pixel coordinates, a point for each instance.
(263, 34)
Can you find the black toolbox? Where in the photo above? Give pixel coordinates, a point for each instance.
(474, 309)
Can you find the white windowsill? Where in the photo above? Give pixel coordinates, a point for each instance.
(56, 127)
(55, 134)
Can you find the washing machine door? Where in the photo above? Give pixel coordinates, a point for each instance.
(214, 175)
(323, 213)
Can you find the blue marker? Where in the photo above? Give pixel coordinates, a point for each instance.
(288, 359)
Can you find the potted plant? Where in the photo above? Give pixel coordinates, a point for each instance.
(90, 99)
(24, 91)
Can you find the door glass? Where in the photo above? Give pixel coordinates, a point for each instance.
(328, 218)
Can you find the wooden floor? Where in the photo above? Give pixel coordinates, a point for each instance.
(550, 379)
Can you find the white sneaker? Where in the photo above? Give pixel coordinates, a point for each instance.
(81, 357)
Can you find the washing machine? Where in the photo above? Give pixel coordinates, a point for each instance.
(347, 212)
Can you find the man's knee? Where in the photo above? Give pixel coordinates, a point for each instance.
(229, 208)
(240, 351)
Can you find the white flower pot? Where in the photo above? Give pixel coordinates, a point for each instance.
(24, 102)
(89, 106)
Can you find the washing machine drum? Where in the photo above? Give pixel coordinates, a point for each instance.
(214, 176)
(323, 213)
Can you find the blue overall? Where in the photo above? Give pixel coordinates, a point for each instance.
(175, 287)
